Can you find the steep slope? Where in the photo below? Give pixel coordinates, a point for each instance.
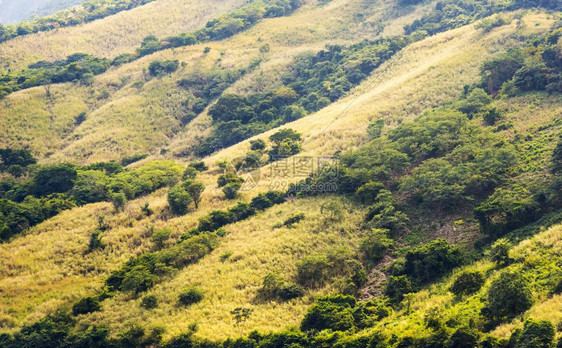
(118, 100)
(49, 258)
(114, 35)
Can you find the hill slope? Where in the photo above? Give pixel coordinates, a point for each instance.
(429, 155)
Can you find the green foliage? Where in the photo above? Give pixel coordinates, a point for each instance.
(54, 179)
(286, 142)
(467, 283)
(375, 245)
(313, 271)
(160, 237)
(506, 208)
(75, 67)
(274, 286)
(86, 305)
(556, 167)
(535, 334)
(179, 200)
(95, 241)
(195, 190)
(141, 273)
(508, 296)
(15, 158)
(313, 82)
(430, 261)
(474, 102)
(535, 69)
(88, 11)
(499, 253)
(257, 145)
(342, 313)
(231, 190)
(162, 67)
(294, 219)
(190, 296)
(451, 14)
(464, 338)
(149, 302)
(396, 287)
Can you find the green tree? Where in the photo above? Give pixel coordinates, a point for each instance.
(508, 296)
(86, 305)
(396, 287)
(179, 200)
(432, 260)
(467, 283)
(54, 179)
(536, 334)
(499, 253)
(195, 190)
(190, 296)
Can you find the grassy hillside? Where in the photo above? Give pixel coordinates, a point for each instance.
(118, 100)
(49, 260)
(449, 161)
(114, 35)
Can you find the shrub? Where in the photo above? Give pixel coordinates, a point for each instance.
(499, 253)
(190, 296)
(231, 190)
(179, 200)
(397, 287)
(508, 296)
(229, 178)
(330, 312)
(54, 179)
(138, 279)
(313, 271)
(375, 245)
(86, 305)
(275, 286)
(294, 219)
(535, 334)
(432, 260)
(463, 338)
(95, 241)
(195, 190)
(261, 202)
(257, 145)
(242, 211)
(160, 237)
(467, 283)
(290, 291)
(119, 200)
(159, 67)
(149, 302)
(215, 220)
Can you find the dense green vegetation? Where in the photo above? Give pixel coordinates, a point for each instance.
(313, 82)
(88, 11)
(82, 67)
(76, 67)
(452, 14)
(47, 190)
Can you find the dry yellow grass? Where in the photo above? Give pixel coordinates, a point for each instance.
(257, 249)
(49, 262)
(114, 35)
(127, 116)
